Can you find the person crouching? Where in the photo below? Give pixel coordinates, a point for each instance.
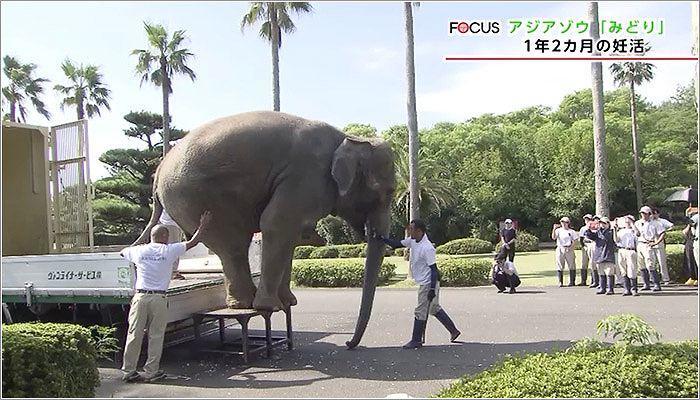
(604, 255)
(425, 273)
(504, 274)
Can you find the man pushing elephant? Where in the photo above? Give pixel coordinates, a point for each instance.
(425, 273)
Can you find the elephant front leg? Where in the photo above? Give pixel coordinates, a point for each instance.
(240, 290)
(285, 292)
(276, 256)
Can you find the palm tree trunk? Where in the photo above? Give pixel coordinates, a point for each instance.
(412, 115)
(81, 109)
(600, 168)
(275, 43)
(13, 111)
(635, 148)
(166, 109)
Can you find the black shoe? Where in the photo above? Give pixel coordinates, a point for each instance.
(657, 281)
(594, 281)
(635, 291)
(572, 277)
(645, 278)
(158, 376)
(131, 377)
(584, 277)
(447, 322)
(603, 284)
(417, 336)
(512, 290)
(611, 285)
(560, 275)
(628, 286)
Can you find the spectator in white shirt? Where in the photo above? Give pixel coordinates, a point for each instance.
(565, 238)
(661, 248)
(587, 249)
(625, 234)
(649, 235)
(149, 306)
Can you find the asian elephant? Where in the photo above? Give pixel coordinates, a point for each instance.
(278, 174)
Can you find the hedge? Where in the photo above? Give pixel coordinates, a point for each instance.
(674, 261)
(464, 272)
(336, 273)
(48, 360)
(465, 246)
(675, 237)
(337, 251)
(524, 241)
(656, 370)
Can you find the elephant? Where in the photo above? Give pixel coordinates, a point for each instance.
(278, 174)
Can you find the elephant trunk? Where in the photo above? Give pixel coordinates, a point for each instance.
(373, 261)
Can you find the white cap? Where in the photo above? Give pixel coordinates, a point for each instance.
(565, 219)
(509, 221)
(645, 209)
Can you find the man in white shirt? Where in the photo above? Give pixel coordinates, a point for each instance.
(425, 273)
(587, 249)
(174, 236)
(661, 248)
(565, 238)
(625, 234)
(650, 234)
(149, 306)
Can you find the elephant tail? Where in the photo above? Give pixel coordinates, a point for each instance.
(155, 215)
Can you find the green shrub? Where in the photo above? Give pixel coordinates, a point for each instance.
(629, 328)
(400, 252)
(465, 246)
(464, 272)
(674, 261)
(675, 237)
(657, 370)
(351, 250)
(325, 252)
(524, 241)
(303, 252)
(335, 230)
(336, 273)
(48, 360)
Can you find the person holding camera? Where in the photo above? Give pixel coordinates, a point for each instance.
(689, 260)
(565, 238)
(504, 275)
(625, 235)
(425, 273)
(602, 235)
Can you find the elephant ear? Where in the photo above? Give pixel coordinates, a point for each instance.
(347, 159)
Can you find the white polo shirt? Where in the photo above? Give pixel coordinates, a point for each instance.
(565, 237)
(626, 238)
(154, 263)
(649, 230)
(422, 256)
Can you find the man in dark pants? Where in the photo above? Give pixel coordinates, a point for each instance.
(425, 273)
(508, 239)
(605, 248)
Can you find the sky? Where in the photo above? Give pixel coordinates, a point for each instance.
(344, 64)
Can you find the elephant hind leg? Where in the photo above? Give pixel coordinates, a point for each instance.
(232, 249)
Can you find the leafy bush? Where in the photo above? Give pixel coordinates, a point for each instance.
(524, 241)
(334, 230)
(49, 360)
(630, 328)
(336, 273)
(464, 272)
(675, 237)
(465, 246)
(303, 252)
(674, 261)
(658, 370)
(324, 252)
(400, 252)
(351, 250)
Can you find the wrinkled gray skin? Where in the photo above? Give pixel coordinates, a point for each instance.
(278, 174)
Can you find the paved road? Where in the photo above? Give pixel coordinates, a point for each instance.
(537, 319)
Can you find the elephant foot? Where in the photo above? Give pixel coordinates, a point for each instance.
(287, 298)
(239, 303)
(267, 303)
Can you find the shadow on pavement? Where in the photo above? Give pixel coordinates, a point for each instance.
(315, 360)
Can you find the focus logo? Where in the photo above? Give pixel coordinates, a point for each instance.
(464, 28)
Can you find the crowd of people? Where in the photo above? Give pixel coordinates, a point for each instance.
(616, 251)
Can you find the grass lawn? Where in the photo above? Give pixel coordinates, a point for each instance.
(535, 268)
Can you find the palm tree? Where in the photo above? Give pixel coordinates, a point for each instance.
(275, 20)
(634, 74)
(436, 190)
(22, 86)
(600, 167)
(160, 63)
(413, 143)
(87, 92)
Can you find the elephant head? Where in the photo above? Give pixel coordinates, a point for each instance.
(363, 170)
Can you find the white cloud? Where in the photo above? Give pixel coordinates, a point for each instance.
(379, 58)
